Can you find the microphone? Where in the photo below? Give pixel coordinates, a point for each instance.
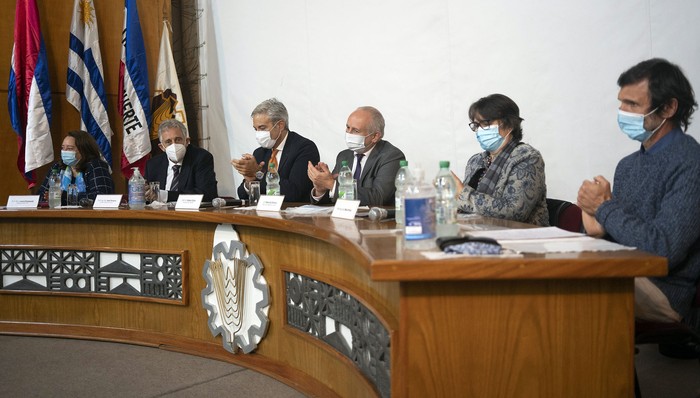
(218, 202)
(86, 202)
(378, 213)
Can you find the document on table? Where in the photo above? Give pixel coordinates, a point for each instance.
(315, 210)
(309, 210)
(548, 240)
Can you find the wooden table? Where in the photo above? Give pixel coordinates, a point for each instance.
(555, 325)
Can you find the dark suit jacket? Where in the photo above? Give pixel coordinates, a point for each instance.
(196, 174)
(294, 180)
(376, 186)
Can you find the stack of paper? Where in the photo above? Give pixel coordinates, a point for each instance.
(547, 240)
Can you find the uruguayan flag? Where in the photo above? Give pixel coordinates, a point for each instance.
(85, 88)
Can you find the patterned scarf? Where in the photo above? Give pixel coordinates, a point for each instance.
(487, 184)
(67, 179)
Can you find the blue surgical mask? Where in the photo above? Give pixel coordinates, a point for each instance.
(69, 158)
(632, 124)
(489, 138)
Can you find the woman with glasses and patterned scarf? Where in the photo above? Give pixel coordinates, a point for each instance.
(506, 180)
(82, 166)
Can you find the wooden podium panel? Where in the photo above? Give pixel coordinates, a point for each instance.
(532, 326)
(534, 338)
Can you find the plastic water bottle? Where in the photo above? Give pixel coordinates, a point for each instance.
(272, 180)
(54, 189)
(445, 203)
(402, 178)
(419, 210)
(137, 190)
(346, 190)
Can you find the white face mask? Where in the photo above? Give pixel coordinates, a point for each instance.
(264, 139)
(355, 142)
(176, 152)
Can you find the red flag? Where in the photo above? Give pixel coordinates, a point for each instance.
(29, 93)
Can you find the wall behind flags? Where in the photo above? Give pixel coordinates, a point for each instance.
(55, 18)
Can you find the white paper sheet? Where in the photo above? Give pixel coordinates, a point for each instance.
(309, 210)
(525, 233)
(548, 240)
(562, 245)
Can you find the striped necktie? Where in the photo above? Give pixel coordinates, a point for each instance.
(273, 159)
(176, 178)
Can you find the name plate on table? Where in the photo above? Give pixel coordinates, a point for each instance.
(270, 203)
(345, 209)
(107, 202)
(188, 202)
(22, 201)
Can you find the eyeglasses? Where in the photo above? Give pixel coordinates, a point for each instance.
(484, 124)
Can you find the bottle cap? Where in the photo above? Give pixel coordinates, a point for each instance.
(444, 164)
(403, 163)
(344, 163)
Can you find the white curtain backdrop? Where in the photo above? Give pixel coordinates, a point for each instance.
(422, 63)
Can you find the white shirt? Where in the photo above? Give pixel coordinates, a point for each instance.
(171, 174)
(163, 194)
(279, 150)
(362, 162)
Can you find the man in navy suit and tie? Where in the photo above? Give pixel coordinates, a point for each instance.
(374, 162)
(182, 168)
(288, 150)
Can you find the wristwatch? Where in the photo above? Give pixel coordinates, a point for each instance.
(259, 175)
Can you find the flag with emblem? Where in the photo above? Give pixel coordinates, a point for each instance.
(134, 103)
(85, 89)
(29, 92)
(167, 99)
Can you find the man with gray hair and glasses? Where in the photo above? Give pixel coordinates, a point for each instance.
(289, 151)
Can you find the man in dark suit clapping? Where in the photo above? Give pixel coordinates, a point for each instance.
(288, 150)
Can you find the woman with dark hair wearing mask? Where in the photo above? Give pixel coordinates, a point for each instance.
(506, 180)
(81, 165)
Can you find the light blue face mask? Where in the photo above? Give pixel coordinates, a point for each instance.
(632, 124)
(489, 138)
(68, 158)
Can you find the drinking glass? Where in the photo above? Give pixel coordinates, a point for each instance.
(72, 195)
(154, 187)
(254, 193)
